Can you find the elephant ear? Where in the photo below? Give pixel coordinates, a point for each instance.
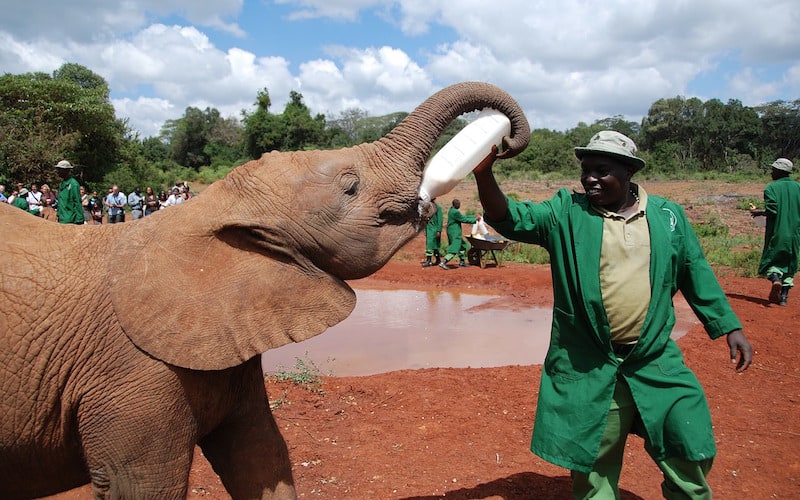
(201, 302)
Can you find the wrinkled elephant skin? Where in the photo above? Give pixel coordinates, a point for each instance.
(123, 346)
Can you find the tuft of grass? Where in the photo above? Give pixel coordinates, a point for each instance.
(711, 228)
(745, 202)
(305, 374)
(740, 254)
(525, 253)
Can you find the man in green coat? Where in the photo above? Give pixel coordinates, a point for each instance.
(20, 200)
(617, 258)
(782, 234)
(433, 237)
(70, 209)
(455, 235)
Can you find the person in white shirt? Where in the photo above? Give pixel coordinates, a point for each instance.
(115, 204)
(35, 200)
(175, 198)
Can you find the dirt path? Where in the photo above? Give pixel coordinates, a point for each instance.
(465, 433)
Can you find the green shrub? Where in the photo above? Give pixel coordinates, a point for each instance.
(526, 253)
(711, 228)
(745, 202)
(305, 374)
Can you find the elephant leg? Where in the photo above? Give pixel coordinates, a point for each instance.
(134, 450)
(142, 475)
(249, 452)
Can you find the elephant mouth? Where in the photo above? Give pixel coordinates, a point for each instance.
(425, 210)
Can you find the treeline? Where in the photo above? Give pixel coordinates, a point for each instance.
(681, 137)
(68, 114)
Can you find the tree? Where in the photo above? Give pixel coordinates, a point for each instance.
(294, 129)
(711, 134)
(780, 132)
(155, 150)
(347, 124)
(303, 131)
(372, 128)
(548, 151)
(225, 142)
(82, 77)
(200, 137)
(621, 125)
(45, 118)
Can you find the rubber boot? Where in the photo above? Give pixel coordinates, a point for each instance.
(775, 291)
(784, 295)
(438, 257)
(427, 262)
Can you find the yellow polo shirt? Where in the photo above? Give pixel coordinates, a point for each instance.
(625, 269)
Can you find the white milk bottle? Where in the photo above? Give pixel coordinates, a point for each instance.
(463, 153)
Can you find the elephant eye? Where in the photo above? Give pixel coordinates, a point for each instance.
(350, 184)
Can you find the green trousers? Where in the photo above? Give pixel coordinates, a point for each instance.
(683, 479)
(786, 280)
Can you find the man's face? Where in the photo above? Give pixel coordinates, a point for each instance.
(605, 180)
(777, 173)
(34, 188)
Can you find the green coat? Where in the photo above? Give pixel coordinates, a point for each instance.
(580, 370)
(21, 202)
(433, 231)
(782, 235)
(70, 209)
(455, 235)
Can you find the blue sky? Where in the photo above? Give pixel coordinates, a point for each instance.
(566, 62)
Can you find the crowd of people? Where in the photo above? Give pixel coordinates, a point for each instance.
(86, 207)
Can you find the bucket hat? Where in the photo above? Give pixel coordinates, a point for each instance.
(612, 143)
(23, 192)
(783, 164)
(63, 164)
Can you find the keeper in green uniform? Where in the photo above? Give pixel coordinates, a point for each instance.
(433, 237)
(782, 234)
(70, 209)
(456, 245)
(617, 258)
(20, 201)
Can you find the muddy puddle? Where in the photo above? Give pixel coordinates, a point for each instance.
(409, 329)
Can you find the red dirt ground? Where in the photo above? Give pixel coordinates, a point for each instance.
(464, 433)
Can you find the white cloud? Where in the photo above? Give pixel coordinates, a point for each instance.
(566, 61)
(347, 10)
(750, 88)
(146, 113)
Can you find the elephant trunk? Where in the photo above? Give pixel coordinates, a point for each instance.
(412, 141)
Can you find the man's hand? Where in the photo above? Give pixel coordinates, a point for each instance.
(487, 162)
(739, 344)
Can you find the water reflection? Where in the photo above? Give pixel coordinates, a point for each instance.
(409, 329)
